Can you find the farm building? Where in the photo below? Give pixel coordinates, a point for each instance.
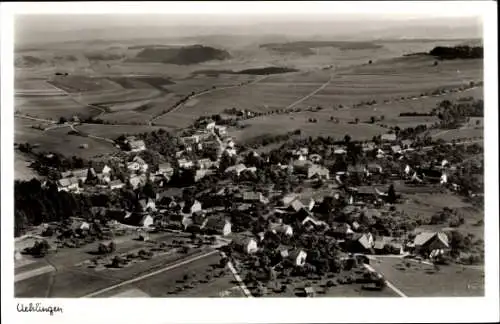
(235, 169)
(246, 245)
(190, 208)
(318, 171)
(309, 292)
(136, 145)
(67, 184)
(220, 130)
(388, 137)
(280, 228)
(185, 164)
(426, 242)
(387, 245)
(137, 181)
(298, 257)
(253, 197)
(165, 169)
(147, 204)
(137, 165)
(218, 225)
(359, 243)
(341, 230)
(116, 184)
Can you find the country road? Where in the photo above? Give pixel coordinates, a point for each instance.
(154, 273)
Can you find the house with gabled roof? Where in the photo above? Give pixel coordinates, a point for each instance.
(137, 146)
(218, 225)
(235, 169)
(426, 242)
(68, 184)
(246, 245)
(147, 204)
(360, 243)
(298, 257)
(388, 137)
(116, 184)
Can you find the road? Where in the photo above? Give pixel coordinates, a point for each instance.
(236, 275)
(389, 285)
(154, 273)
(178, 106)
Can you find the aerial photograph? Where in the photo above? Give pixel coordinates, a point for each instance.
(328, 155)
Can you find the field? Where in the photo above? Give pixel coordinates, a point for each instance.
(323, 127)
(422, 280)
(58, 140)
(114, 131)
(51, 106)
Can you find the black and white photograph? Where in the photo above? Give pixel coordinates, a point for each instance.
(324, 154)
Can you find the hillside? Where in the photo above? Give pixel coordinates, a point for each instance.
(305, 47)
(182, 55)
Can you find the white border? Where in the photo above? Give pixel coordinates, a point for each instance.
(262, 310)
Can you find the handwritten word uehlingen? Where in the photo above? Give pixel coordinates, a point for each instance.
(38, 308)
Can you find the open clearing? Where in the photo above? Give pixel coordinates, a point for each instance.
(114, 131)
(421, 280)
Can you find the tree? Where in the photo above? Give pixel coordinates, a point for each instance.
(62, 120)
(391, 194)
(356, 120)
(370, 62)
(347, 138)
(372, 119)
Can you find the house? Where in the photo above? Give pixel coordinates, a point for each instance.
(280, 228)
(235, 169)
(374, 168)
(220, 130)
(406, 144)
(360, 243)
(137, 181)
(283, 251)
(341, 230)
(200, 174)
(80, 174)
(190, 140)
(304, 151)
(191, 208)
(396, 149)
(185, 164)
(218, 225)
(339, 151)
(230, 151)
(309, 292)
(298, 257)
(68, 184)
(387, 245)
(388, 137)
(136, 145)
(253, 197)
(210, 126)
(137, 165)
(318, 171)
(147, 204)
(367, 147)
(116, 184)
(66, 174)
(301, 166)
(287, 199)
(246, 245)
(310, 222)
(207, 163)
(146, 221)
(315, 158)
(434, 176)
(426, 242)
(165, 169)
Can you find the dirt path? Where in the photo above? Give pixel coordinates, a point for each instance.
(311, 94)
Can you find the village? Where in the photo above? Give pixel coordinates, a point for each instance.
(271, 215)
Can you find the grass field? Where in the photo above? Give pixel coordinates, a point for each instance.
(51, 107)
(21, 168)
(452, 134)
(324, 127)
(58, 140)
(421, 280)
